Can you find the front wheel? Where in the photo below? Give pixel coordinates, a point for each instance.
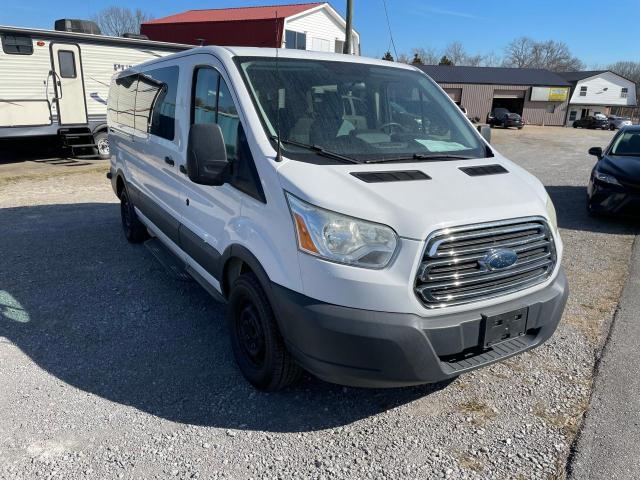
(257, 344)
(101, 139)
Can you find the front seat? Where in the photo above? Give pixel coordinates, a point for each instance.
(328, 113)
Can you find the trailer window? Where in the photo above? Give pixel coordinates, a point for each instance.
(67, 64)
(17, 45)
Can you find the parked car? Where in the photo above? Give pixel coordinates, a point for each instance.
(614, 184)
(592, 123)
(501, 117)
(616, 123)
(388, 253)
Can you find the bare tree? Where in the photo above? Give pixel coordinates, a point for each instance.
(427, 56)
(456, 53)
(524, 52)
(115, 21)
(627, 69)
(403, 58)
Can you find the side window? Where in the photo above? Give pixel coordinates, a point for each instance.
(17, 45)
(126, 87)
(212, 103)
(112, 103)
(228, 119)
(156, 102)
(67, 63)
(205, 96)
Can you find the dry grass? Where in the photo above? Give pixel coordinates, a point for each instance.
(567, 424)
(480, 412)
(470, 462)
(47, 173)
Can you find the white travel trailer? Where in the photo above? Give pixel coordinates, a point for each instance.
(56, 82)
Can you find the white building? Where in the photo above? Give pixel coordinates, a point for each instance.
(598, 92)
(305, 26)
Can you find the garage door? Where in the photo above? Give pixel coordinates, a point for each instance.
(455, 94)
(508, 93)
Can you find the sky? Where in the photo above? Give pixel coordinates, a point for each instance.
(597, 32)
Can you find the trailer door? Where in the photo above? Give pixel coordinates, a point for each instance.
(69, 84)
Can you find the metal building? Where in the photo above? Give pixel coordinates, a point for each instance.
(540, 96)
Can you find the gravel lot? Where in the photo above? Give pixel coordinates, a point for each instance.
(110, 368)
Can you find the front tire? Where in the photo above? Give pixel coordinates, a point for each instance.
(257, 344)
(134, 230)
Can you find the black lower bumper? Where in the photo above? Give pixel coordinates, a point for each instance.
(377, 349)
(615, 200)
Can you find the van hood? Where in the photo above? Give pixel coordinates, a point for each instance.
(415, 208)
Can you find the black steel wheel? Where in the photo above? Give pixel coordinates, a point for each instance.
(257, 344)
(134, 230)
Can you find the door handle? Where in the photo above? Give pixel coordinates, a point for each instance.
(183, 169)
(169, 161)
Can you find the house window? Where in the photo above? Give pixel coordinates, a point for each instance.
(624, 93)
(67, 64)
(583, 91)
(17, 45)
(295, 40)
(339, 46)
(572, 115)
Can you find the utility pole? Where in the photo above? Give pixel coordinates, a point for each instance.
(349, 33)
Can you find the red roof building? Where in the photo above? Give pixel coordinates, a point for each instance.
(306, 26)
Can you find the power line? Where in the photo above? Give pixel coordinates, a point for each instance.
(386, 13)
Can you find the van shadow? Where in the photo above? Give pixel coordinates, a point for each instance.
(105, 317)
(570, 202)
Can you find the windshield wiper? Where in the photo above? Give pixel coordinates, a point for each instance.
(316, 149)
(430, 157)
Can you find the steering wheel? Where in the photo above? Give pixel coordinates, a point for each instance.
(390, 126)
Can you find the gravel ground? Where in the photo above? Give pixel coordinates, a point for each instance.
(112, 369)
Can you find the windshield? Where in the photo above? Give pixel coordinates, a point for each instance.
(627, 144)
(364, 112)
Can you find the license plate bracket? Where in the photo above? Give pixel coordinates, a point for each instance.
(503, 327)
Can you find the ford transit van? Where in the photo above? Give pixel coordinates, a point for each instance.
(356, 223)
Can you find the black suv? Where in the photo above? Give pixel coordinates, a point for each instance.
(501, 117)
(592, 123)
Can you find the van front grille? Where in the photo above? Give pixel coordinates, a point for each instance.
(457, 265)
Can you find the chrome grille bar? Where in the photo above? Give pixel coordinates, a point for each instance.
(454, 267)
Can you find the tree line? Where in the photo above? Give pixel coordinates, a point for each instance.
(523, 52)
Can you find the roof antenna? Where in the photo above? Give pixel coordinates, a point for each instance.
(278, 44)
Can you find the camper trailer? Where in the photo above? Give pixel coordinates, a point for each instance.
(56, 82)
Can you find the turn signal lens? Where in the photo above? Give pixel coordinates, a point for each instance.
(304, 239)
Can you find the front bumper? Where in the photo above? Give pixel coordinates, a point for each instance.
(377, 349)
(605, 198)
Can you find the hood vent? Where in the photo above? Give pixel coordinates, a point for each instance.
(391, 176)
(483, 170)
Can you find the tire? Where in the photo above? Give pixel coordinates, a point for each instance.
(257, 344)
(589, 207)
(575, 125)
(101, 139)
(134, 230)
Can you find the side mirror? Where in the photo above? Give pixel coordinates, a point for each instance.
(207, 162)
(485, 131)
(596, 151)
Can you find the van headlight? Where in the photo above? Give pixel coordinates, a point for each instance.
(340, 238)
(551, 213)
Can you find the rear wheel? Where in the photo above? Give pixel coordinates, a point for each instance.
(133, 228)
(257, 344)
(101, 140)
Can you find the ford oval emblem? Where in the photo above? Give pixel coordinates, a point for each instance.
(498, 259)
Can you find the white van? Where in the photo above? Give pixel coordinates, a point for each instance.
(396, 248)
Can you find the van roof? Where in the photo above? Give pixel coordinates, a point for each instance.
(230, 52)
